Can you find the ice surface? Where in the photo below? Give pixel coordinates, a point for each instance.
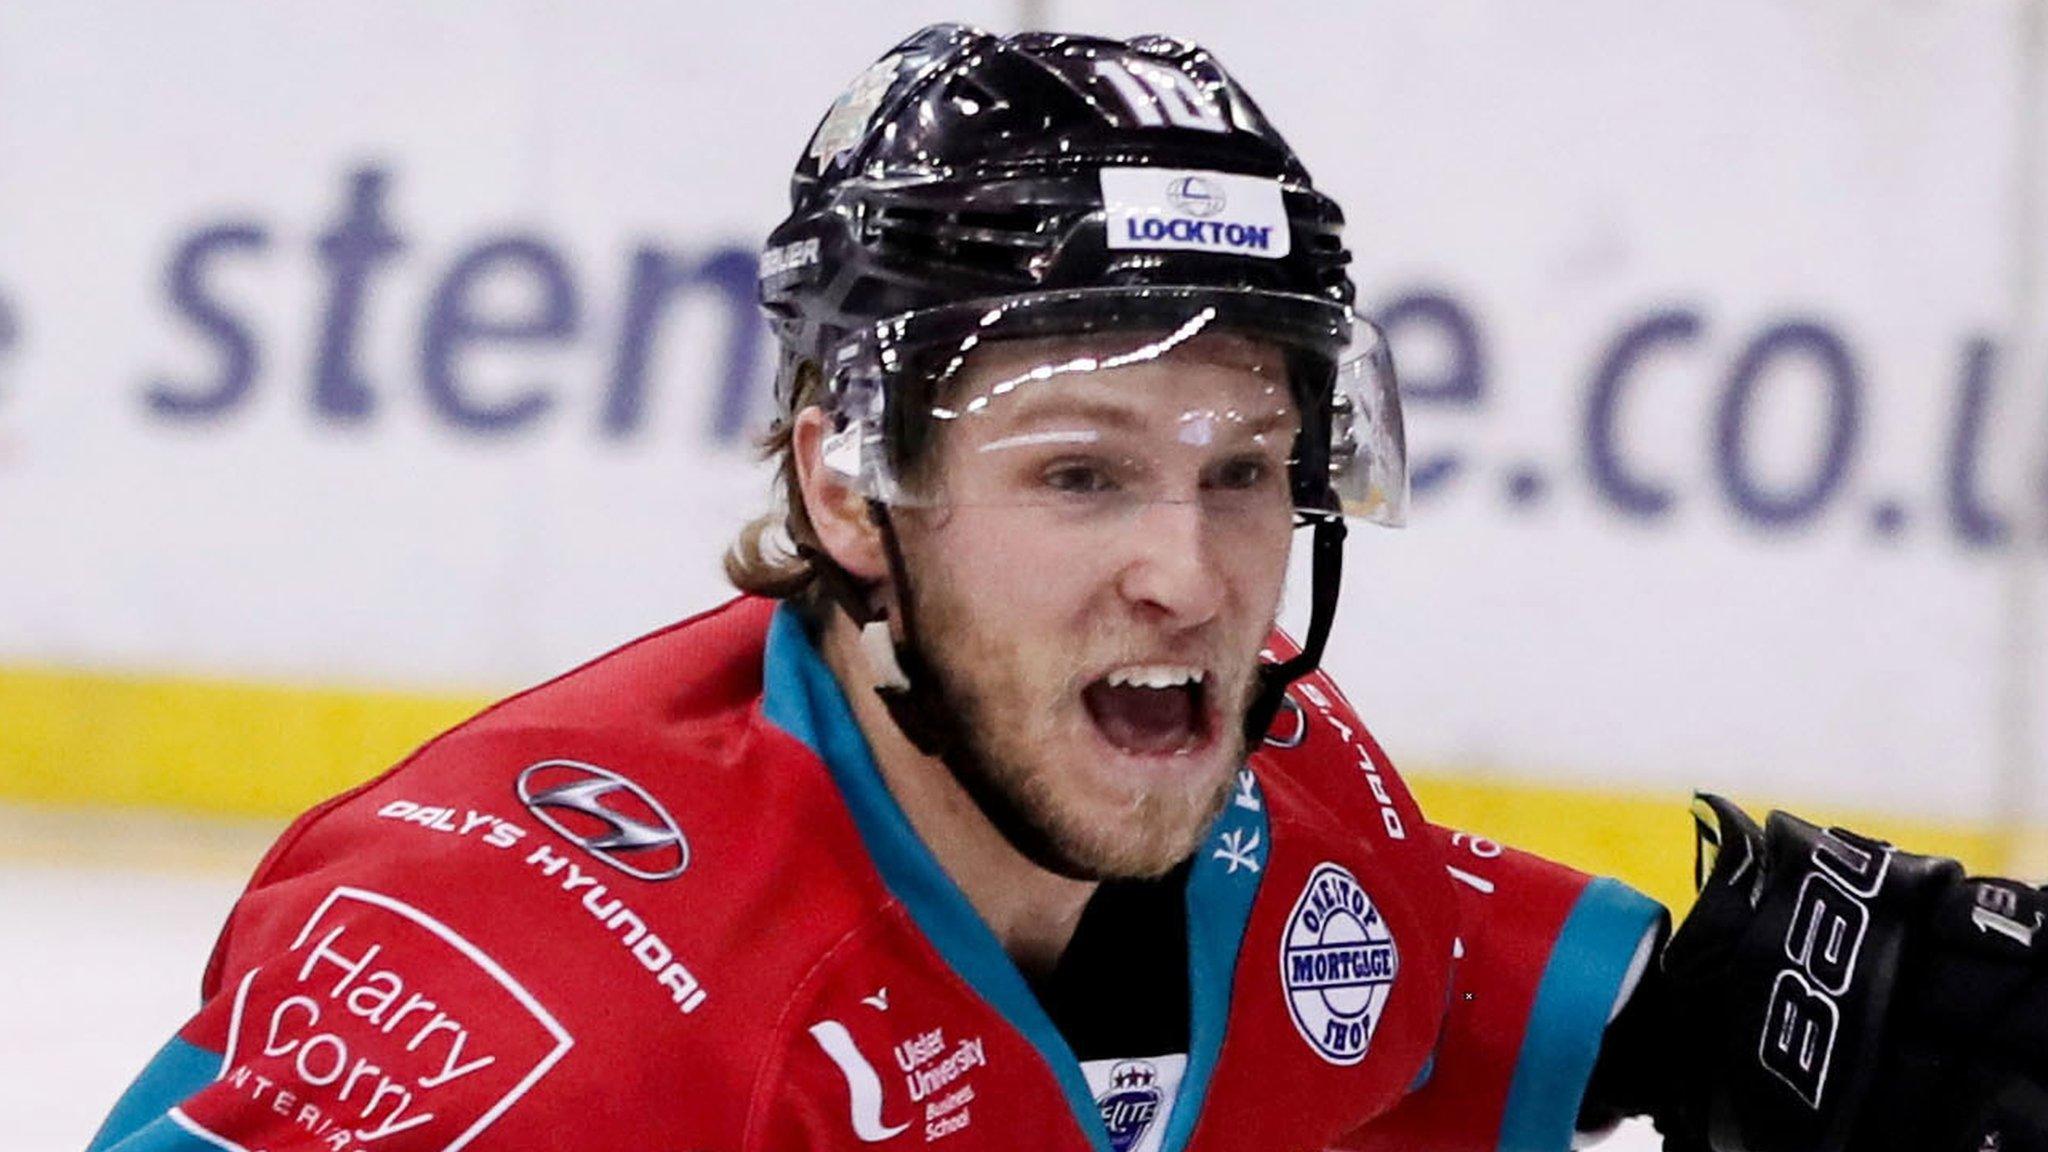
(100, 967)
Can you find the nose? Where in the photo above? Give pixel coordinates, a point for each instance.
(1171, 572)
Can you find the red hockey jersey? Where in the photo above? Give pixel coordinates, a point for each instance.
(665, 901)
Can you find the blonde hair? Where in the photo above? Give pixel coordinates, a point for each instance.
(778, 554)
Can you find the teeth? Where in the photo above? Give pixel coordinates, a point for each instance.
(1155, 676)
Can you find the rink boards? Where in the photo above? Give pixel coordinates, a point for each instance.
(258, 752)
(372, 379)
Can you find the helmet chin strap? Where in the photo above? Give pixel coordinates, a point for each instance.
(903, 677)
(1326, 574)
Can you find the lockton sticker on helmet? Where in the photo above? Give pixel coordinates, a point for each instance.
(606, 815)
(1195, 211)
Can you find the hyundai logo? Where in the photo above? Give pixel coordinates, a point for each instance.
(1290, 725)
(1196, 196)
(606, 815)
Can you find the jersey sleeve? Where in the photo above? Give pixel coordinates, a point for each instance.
(1543, 959)
(150, 1115)
(423, 965)
(351, 1003)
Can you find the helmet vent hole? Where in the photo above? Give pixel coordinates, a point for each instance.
(908, 216)
(868, 297)
(1018, 220)
(970, 95)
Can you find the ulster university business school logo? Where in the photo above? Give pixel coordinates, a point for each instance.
(936, 1077)
(1337, 965)
(606, 815)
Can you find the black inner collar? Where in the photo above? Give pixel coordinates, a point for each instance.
(1121, 987)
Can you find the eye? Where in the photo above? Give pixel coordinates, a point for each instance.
(1242, 474)
(1078, 477)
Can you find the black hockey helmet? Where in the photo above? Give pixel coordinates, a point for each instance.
(970, 187)
(964, 166)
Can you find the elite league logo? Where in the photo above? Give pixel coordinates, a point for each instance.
(1337, 965)
(1131, 1104)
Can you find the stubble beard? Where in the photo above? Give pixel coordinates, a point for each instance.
(983, 684)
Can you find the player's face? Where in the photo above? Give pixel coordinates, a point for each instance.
(1102, 561)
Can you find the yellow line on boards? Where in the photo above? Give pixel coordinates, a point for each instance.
(221, 748)
(1646, 838)
(214, 746)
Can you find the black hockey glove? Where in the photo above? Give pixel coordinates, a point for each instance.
(1829, 993)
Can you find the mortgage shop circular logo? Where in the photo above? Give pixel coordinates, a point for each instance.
(1337, 965)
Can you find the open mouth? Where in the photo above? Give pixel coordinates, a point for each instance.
(1151, 709)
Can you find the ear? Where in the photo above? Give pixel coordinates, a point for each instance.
(838, 513)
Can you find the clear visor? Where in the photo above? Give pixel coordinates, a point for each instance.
(1095, 402)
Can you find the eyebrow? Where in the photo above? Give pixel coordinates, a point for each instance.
(1028, 410)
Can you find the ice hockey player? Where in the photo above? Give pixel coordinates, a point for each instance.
(999, 816)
